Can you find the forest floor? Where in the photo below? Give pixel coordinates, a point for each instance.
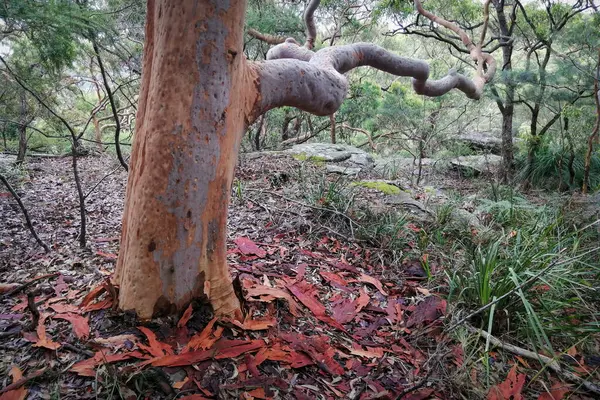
(328, 314)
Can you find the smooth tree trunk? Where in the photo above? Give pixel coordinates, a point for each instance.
(190, 123)
(198, 95)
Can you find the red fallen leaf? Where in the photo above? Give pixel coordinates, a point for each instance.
(101, 305)
(318, 349)
(427, 311)
(254, 324)
(248, 247)
(419, 395)
(22, 304)
(194, 397)
(185, 317)
(333, 277)
(258, 393)
(362, 301)
(88, 367)
(558, 392)
(201, 340)
(92, 295)
(16, 394)
(370, 352)
(228, 351)
(284, 354)
(373, 281)
(43, 340)
(156, 348)
(256, 292)
(305, 293)
(458, 353)
(344, 312)
(62, 308)
(80, 324)
(510, 389)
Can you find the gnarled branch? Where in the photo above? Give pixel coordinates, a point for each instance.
(309, 22)
(265, 37)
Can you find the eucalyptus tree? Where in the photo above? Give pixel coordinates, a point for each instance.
(198, 95)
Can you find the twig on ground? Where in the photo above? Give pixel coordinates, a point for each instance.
(24, 380)
(75, 349)
(35, 313)
(25, 214)
(27, 284)
(546, 361)
(101, 180)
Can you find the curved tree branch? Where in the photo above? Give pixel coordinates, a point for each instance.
(309, 22)
(265, 37)
(314, 82)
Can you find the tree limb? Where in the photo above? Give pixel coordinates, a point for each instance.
(265, 37)
(309, 22)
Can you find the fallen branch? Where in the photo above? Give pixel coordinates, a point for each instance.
(25, 214)
(546, 361)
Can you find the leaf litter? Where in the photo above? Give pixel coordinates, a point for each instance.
(324, 319)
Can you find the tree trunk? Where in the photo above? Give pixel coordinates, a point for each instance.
(506, 106)
(332, 127)
(22, 129)
(194, 96)
(594, 135)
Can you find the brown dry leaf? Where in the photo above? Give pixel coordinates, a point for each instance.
(258, 393)
(254, 324)
(116, 342)
(62, 308)
(368, 352)
(427, 311)
(201, 340)
(92, 295)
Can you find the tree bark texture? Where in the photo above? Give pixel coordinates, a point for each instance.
(198, 95)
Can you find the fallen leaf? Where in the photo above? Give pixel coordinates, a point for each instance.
(427, 311)
(80, 324)
(179, 385)
(156, 348)
(362, 301)
(88, 367)
(117, 342)
(258, 393)
(254, 324)
(16, 394)
(344, 311)
(421, 394)
(248, 247)
(101, 305)
(201, 340)
(194, 397)
(62, 308)
(333, 277)
(368, 352)
(558, 392)
(227, 349)
(92, 295)
(43, 340)
(318, 349)
(256, 292)
(186, 316)
(510, 389)
(305, 293)
(373, 281)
